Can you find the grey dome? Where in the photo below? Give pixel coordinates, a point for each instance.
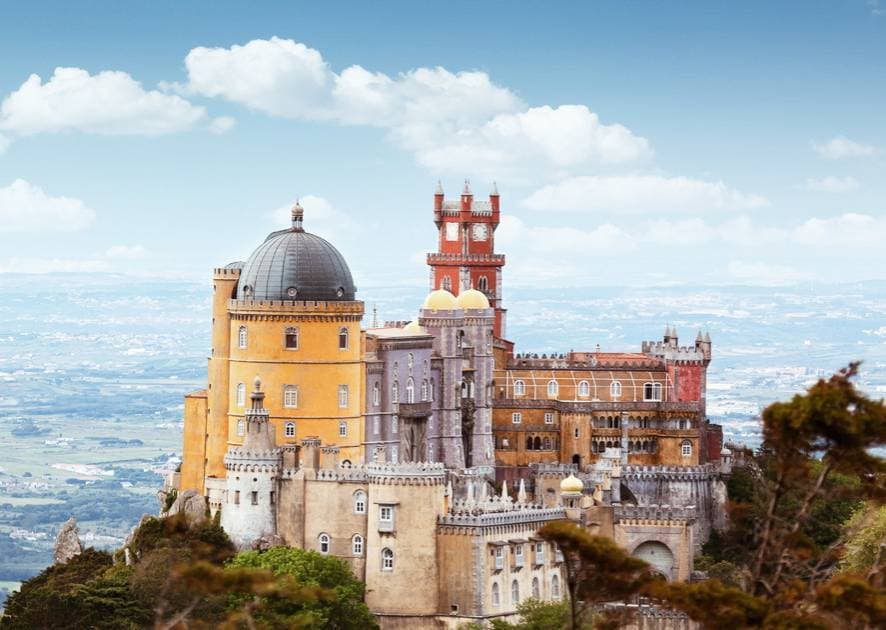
(296, 265)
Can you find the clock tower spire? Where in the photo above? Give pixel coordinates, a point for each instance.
(465, 256)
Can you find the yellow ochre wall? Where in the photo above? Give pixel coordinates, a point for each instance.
(316, 368)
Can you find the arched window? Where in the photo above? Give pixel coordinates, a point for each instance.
(433, 390)
(241, 395)
(553, 388)
(324, 543)
(387, 559)
(615, 389)
(241, 427)
(519, 388)
(515, 592)
(290, 396)
(395, 422)
(529, 444)
(342, 429)
(410, 390)
(290, 340)
(359, 502)
(537, 444)
(342, 396)
(584, 388)
(242, 337)
(547, 443)
(289, 429)
(483, 284)
(446, 283)
(343, 338)
(357, 545)
(496, 595)
(395, 392)
(464, 389)
(555, 587)
(376, 394)
(424, 390)
(686, 448)
(536, 591)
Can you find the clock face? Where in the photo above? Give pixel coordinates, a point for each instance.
(480, 231)
(452, 231)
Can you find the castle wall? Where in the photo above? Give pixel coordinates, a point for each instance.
(193, 468)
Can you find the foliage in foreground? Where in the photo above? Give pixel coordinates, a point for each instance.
(184, 575)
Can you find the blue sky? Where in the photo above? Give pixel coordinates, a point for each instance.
(633, 142)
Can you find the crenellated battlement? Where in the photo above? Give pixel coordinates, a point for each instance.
(643, 514)
(411, 473)
(517, 515)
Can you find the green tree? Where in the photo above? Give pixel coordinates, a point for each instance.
(341, 608)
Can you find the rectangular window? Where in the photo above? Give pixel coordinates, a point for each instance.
(291, 340)
(499, 559)
(385, 518)
(343, 396)
(516, 417)
(549, 418)
(394, 454)
(539, 553)
(518, 556)
(342, 429)
(254, 497)
(236, 497)
(652, 392)
(290, 396)
(376, 425)
(394, 422)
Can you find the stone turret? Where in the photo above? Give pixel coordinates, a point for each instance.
(253, 471)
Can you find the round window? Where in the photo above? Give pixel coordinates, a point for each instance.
(291, 292)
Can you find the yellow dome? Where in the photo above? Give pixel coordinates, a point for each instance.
(440, 300)
(472, 299)
(571, 484)
(414, 328)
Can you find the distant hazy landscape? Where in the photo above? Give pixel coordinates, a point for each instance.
(93, 369)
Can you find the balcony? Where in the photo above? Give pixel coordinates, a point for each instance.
(414, 409)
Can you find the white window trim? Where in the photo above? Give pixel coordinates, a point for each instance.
(516, 417)
(286, 429)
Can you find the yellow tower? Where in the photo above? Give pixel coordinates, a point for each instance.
(289, 316)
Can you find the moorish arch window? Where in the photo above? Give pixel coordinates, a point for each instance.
(376, 394)
(615, 389)
(496, 595)
(324, 539)
(424, 390)
(289, 429)
(555, 587)
(553, 388)
(410, 390)
(290, 338)
(515, 592)
(357, 545)
(395, 392)
(536, 591)
(584, 388)
(387, 559)
(446, 283)
(241, 394)
(519, 387)
(483, 284)
(242, 337)
(343, 338)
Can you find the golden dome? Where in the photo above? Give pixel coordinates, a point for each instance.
(472, 299)
(571, 485)
(414, 328)
(440, 300)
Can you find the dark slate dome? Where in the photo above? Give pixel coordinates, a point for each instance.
(296, 265)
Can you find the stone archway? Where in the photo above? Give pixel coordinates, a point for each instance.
(659, 555)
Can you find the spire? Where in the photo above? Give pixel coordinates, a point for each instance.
(298, 214)
(467, 190)
(699, 337)
(504, 490)
(258, 436)
(521, 493)
(707, 337)
(667, 331)
(439, 190)
(494, 192)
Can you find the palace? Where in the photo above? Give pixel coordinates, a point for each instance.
(394, 447)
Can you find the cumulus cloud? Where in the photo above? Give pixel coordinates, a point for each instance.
(454, 122)
(831, 184)
(849, 230)
(126, 252)
(841, 147)
(26, 208)
(222, 124)
(640, 194)
(51, 265)
(107, 103)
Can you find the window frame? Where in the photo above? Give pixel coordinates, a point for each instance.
(387, 559)
(516, 418)
(241, 394)
(553, 387)
(652, 392)
(291, 332)
(290, 396)
(343, 396)
(615, 389)
(342, 428)
(344, 335)
(360, 502)
(242, 337)
(686, 448)
(357, 545)
(519, 387)
(324, 540)
(286, 430)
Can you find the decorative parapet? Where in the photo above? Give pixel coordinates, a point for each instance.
(275, 309)
(572, 406)
(671, 353)
(438, 257)
(671, 473)
(553, 469)
(408, 473)
(518, 515)
(414, 410)
(561, 361)
(641, 514)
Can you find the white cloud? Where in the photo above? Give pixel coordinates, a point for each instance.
(222, 124)
(452, 122)
(850, 230)
(640, 194)
(51, 265)
(127, 252)
(320, 217)
(876, 8)
(841, 147)
(831, 184)
(4, 143)
(108, 103)
(25, 207)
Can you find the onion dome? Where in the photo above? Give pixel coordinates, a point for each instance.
(414, 328)
(440, 300)
(571, 485)
(472, 299)
(296, 265)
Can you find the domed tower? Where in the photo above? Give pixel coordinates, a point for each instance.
(289, 315)
(249, 509)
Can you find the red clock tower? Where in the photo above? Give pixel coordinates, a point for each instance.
(465, 257)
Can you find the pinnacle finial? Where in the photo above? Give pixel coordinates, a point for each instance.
(494, 192)
(467, 190)
(256, 383)
(439, 190)
(298, 215)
